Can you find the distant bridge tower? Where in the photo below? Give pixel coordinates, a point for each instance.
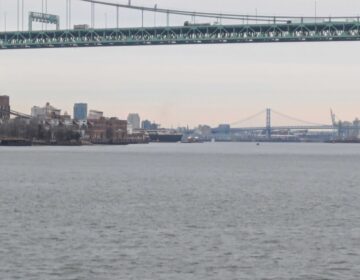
(268, 123)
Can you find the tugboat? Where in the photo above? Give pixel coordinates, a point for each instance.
(192, 140)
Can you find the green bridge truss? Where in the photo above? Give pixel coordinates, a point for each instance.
(200, 34)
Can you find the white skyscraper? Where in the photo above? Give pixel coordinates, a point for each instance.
(134, 121)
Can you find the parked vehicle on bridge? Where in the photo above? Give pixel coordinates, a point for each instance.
(81, 27)
(188, 23)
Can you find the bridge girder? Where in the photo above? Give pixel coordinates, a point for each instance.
(214, 34)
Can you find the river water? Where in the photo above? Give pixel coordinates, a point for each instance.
(180, 211)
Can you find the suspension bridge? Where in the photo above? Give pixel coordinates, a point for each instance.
(198, 28)
(269, 127)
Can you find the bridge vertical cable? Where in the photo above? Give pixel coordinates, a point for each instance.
(155, 13)
(142, 18)
(22, 15)
(18, 15)
(92, 15)
(117, 17)
(69, 14)
(46, 11)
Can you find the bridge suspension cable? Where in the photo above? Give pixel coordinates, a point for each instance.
(248, 118)
(193, 14)
(296, 119)
(249, 17)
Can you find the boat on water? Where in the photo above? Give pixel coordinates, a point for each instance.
(15, 142)
(192, 140)
(164, 136)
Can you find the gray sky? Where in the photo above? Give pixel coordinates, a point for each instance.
(179, 85)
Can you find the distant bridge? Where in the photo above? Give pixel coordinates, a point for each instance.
(279, 128)
(269, 128)
(242, 29)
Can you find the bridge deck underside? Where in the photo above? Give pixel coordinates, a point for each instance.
(216, 34)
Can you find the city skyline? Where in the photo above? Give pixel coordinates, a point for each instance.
(190, 85)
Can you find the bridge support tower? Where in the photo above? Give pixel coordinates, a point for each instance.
(268, 123)
(4, 108)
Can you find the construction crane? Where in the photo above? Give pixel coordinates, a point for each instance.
(333, 118)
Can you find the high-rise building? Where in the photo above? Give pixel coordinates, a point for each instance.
(134, 121)
(148, 125)
(80, 111)
(4, 107)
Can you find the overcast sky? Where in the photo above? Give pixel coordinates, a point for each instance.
(180, 85)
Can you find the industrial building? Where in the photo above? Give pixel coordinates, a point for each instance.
(45, 113)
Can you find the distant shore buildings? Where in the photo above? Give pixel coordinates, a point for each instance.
(47, 124)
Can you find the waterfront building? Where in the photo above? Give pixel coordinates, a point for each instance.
(65, 120)
(95, 115)
(45, 113)
(4, 107)
(105, 130)
(80, 111)
(134, 121)
(129, 129)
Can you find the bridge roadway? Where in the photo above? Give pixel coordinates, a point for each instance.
(324, 31)
(16, 114)
(273, 128)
